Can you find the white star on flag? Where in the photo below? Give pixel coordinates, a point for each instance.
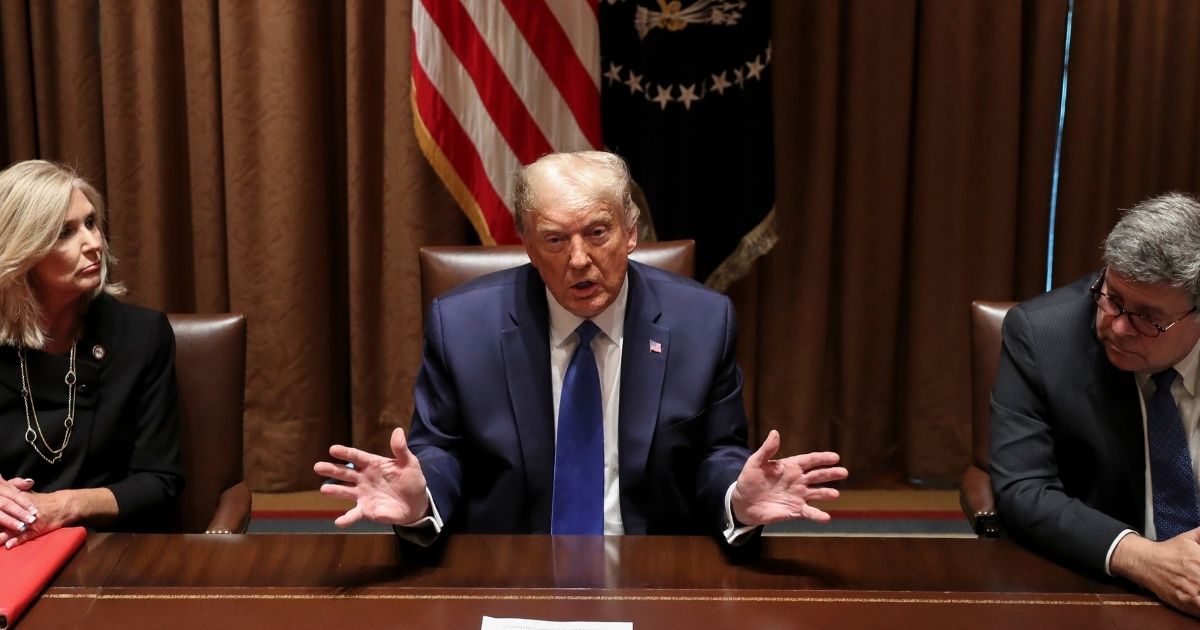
(634, 82)
(754, 68)
(664, 96)
(720, 83)
(614, 73)
(687, 94)
(655, 347)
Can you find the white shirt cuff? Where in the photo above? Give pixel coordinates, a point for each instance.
(735, 534)
(425, 530)
(1113, 547)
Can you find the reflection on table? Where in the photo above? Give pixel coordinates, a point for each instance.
(372, 580)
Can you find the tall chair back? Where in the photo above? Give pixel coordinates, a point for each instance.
(210, 369)
(445, 267)
(975, 493)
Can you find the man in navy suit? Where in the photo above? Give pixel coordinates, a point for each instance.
(481, 453)
(1093, 379)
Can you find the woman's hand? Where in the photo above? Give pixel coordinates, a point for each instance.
(17, 510)
(54, 510)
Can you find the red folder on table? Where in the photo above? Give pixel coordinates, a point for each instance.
(26, 569)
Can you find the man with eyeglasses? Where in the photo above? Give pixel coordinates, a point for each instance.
(1095, 409)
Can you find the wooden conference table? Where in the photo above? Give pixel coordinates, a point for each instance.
(368, 581)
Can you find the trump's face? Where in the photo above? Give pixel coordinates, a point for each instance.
(582, 255)
(1131, 341)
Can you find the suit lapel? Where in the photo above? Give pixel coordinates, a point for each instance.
(526, 351)
(105, 323)
(1119, 415)
(643, 367)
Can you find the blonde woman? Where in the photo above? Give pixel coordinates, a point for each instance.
(89, 429)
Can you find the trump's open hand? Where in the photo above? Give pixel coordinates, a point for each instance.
(773, 490)
(384, 490)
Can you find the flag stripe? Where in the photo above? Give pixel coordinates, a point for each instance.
(501, 101)
(460, 153)
(449, 175)
(489, 95)
(581, 22)
(453, 84)
(526, 74)
(579, 87)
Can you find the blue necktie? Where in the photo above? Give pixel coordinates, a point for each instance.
(579, 449)
(1171, 474)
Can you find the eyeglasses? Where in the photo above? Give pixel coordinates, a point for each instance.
(1141, 323)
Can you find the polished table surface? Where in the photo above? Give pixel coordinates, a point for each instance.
(372, 581)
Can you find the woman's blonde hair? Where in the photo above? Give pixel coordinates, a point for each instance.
(34, 198)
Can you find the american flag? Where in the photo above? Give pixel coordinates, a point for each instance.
(497, 84)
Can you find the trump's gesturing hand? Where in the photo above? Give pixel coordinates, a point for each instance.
(773, 490)
(384, 490)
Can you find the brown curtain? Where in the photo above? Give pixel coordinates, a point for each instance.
(259, 157)
(1133, 119)
(914, 145)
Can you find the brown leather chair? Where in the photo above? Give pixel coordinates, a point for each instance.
(975, 494)
(445, 267)
(210, 368)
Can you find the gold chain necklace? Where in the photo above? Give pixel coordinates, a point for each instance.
(33, 428)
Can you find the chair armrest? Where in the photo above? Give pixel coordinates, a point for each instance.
(233, 511)
(978, 503)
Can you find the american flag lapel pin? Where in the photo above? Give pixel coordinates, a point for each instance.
(655, 347)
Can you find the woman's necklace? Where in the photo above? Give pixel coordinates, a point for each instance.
(33, 428)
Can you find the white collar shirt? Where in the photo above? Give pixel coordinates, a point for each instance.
(1184, 391)
(607, 349)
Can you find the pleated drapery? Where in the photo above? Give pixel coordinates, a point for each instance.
(260, 157)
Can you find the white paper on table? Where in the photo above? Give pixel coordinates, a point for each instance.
(495, 623)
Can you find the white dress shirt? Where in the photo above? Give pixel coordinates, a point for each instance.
(1184, 391)
(606, 347)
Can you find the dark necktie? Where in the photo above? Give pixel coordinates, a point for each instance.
(579, 449)
(1171, 474)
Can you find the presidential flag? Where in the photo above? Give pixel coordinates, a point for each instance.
(686, 94)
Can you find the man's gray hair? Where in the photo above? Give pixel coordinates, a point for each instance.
(1158, 242)
(578, 181)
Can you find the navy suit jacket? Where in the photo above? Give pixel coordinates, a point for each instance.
(483, 425)
(1068, 466)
